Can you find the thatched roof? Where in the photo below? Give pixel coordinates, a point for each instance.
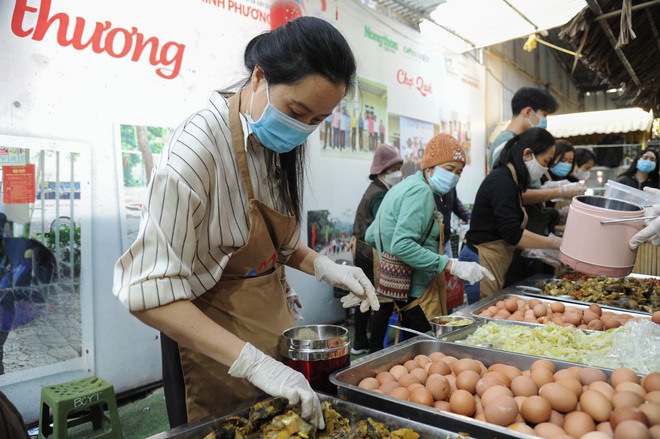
(629, 60)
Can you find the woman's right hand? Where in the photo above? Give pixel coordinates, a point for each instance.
(276, 379)
(469, 271)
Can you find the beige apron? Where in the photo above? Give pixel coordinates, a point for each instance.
(496, 256)
(433, 300)
(254, 308)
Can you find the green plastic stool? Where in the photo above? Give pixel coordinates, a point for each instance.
(82, 400)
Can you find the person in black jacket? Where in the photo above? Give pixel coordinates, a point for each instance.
(448, 204)
(642, 172)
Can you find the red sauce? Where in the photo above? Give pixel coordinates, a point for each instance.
(318, 372)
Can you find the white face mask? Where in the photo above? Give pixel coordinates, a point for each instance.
(393, 178)
(581, 174)
(535, 169)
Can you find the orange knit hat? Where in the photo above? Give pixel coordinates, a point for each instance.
(441, 149)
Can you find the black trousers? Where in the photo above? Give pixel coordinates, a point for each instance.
(173, 385)
(414, 318)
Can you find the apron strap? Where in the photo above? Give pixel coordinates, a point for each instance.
(515, 178)
(238, 141)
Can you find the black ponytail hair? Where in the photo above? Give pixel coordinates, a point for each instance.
(302, 47)
(538, 140)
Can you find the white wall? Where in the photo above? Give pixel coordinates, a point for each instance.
(52, 90)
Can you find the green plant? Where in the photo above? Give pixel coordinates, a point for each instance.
(63, 251)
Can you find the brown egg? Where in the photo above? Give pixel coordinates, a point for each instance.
(597, 405)
(543, 364)
(651, 381)
(557, 418)
(465, 364)
(603, 388)
(422, 359)
(524, 386)
(486, 383)
(605, 427)
(561, 399)
(467, 380)
(400, 392)
(540, 310)
(449, 359)
(369, 383)
(384, 377)
(502, 410)
(462, 402)
(610, 322)
(653, 396)
(498, 376)
(536, 409)
(626, 413)
(588, 316)
(451, 379)
(398, 370)
(421, 396)
(548, 430)
(438, 386)
(596, 325)
(442, 405)
(388, 386)
(436, 356)
(573, 385)
(566, 374)
(596, 435)
(631, 429)
(589, 375)
(557, 307)
(511, 304)
(655, 318)
(627, 398)
(521, 427)
(596, 309)
(520, 400)
(623, 375)
(578, 424)
(510, 371)
(410, 365)
(652, 412)
(440, 368)
(637, 388)
(574, 318)
(541, 377)
(493, 392)
(414, 386)
(408, 379)
(420, 373)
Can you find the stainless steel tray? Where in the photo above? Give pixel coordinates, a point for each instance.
(347, 381)
(353, 412)
(474, 309)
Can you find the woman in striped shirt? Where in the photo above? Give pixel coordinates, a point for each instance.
(222, 218)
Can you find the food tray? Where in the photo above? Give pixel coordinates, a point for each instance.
(474, 309)
(347, 381)
(354, 412)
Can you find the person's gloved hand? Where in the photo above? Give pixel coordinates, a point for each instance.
(469, 271)
(276, 379)
(555, 241)
(571, 190)
(350, 278)
(294, 302)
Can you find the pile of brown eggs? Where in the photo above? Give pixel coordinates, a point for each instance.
(578, 402)
(536, 311)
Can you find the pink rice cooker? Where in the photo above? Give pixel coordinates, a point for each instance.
(600, 249)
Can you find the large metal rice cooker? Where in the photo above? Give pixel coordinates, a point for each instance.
(596, 248)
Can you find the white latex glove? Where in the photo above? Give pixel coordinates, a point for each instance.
(469, 271)
(294, 302)
(571, 190)
(276, 379)
(651, 232)
(349, 278)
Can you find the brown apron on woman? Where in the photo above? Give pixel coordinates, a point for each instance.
(433, 300)
(496, 256)
(254, 308)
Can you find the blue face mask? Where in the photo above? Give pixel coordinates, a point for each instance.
(562, 169)
(277, 131)
(646, 166)
(442, 181)
(543, 122)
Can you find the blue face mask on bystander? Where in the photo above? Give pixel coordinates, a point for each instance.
(645, 165)
(442, 181)
(277, 131)
(562, 169)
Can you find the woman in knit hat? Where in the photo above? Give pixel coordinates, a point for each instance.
(408, 228)
(384, 173)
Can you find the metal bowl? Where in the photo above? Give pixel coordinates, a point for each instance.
(609, 203)
(441, 325)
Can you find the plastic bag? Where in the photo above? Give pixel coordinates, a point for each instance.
(636, 345)
(548, 255)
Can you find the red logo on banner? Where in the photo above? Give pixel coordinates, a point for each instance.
(18, 184)
(424, 88)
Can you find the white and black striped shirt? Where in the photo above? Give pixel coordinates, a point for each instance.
(195, 214)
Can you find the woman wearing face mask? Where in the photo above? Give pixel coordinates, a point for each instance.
(560, 167)
(221, 219)
(407, 226)
(385, 172)
(642, 172)
(498, 220)
(585, 159)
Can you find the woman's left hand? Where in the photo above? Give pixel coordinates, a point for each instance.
(294, 302)
(353, 279)
(469, 271)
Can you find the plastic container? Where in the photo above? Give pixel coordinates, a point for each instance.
(620, 191)
(600, 249)
(316, 351)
